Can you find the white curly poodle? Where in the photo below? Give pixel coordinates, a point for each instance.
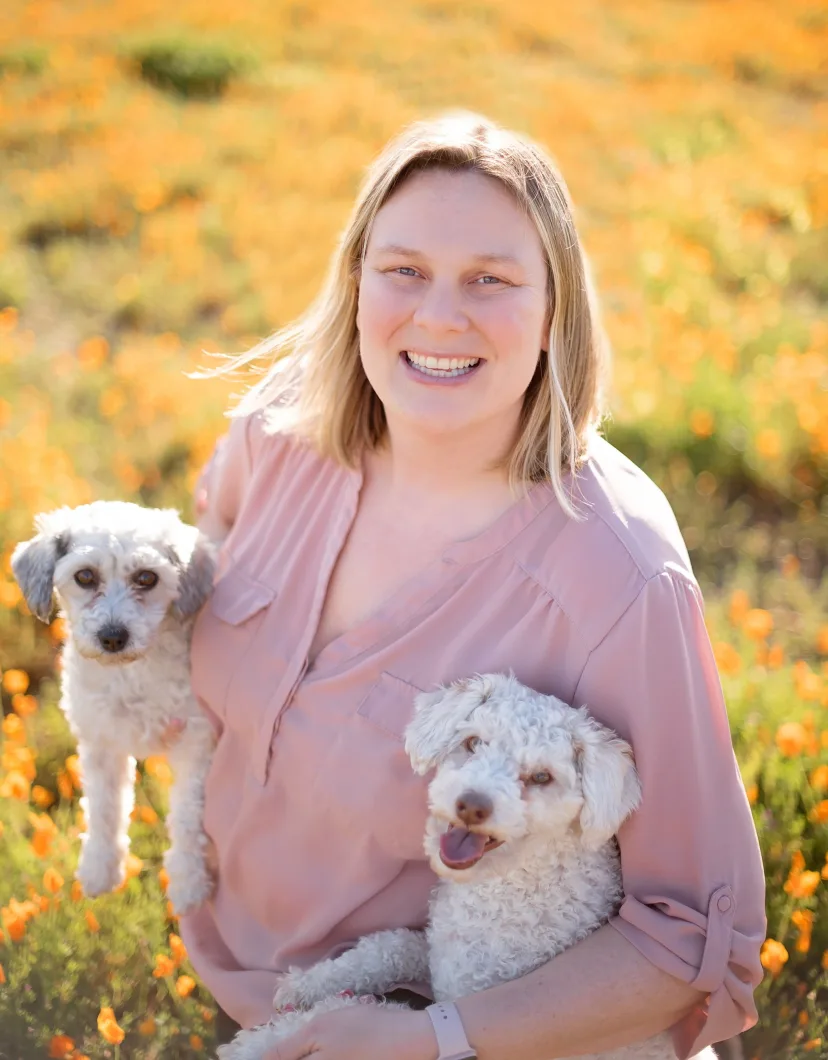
(526, 799)
(130, 581)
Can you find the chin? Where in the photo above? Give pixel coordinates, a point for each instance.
(438, 413)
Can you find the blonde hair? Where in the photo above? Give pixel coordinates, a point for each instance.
(316, 387)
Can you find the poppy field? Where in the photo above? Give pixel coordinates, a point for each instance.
(173, 179)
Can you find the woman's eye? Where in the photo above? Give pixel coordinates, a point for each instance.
(495, 279)
(145, 579)
(472, 743)
(405, 270)
(540, 778)
(86, 578)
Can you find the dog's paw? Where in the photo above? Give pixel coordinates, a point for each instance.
(191, 882)
(100, 870)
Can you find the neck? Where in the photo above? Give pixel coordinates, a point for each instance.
(452, 464)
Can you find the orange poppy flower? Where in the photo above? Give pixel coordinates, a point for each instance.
(61, 1046)
(184, 985)
(791, 739)
(773, 956)
(163, 966)
(179, 950)
(108, 1027)
(52, 880)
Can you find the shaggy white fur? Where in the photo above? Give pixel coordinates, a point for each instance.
(130, 581)
(527, 796)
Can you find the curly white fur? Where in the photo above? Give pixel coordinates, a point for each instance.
(549, 785)
(130, 581)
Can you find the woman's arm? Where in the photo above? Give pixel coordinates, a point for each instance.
(692, 871)
(599, 995)
(222, 481)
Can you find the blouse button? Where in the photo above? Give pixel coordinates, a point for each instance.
(723, 904)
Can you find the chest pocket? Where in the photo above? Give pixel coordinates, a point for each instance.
(226, 674)
(396, 799)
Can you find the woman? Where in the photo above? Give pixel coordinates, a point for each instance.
(417, 491)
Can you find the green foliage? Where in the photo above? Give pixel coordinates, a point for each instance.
(189, 68)
(26, 59)
(67, 967)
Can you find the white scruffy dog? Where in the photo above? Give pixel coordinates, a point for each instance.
(130, 581)
(524, 805)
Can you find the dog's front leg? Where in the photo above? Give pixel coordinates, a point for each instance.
(373, 966)
(191, 882)
(109, 793)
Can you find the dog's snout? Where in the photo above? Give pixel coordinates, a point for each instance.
(113, 638)
(473, 807)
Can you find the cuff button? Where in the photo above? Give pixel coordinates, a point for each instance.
(723, 904)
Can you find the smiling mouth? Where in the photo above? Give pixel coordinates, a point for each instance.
(440, 367)
(460, 848)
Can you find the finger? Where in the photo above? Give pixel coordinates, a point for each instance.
(201, 501)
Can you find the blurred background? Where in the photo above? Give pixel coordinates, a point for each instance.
(173, 179)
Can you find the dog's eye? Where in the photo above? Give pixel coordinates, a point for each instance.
(540, 778)
(86, 578)
(145, 579)
(472, 743)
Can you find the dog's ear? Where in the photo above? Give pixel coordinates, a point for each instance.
(438, 716)
(33, 564)
(195, 582)
(609, 780)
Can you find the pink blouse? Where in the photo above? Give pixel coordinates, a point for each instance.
(315, 812)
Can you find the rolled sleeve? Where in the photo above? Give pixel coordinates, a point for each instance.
(692, 870)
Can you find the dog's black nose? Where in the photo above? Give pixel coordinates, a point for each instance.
(473, 807)
(113, 638)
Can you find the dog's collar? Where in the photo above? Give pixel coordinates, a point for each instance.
(448, 1029)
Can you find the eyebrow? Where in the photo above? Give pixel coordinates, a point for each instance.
(499, 259)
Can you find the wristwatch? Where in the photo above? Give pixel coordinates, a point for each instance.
(448, 1027)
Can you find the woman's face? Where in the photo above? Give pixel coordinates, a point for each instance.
(452, 304)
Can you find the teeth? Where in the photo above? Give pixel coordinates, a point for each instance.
(441, 365)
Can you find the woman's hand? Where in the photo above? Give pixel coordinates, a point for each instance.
(361, 1032)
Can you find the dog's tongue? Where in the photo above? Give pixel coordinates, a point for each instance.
(460, 848)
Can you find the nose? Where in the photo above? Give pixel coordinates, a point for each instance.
(473, 807)
(439, 310)
(113, 638)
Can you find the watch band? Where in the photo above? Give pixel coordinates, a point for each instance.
(448, 1028)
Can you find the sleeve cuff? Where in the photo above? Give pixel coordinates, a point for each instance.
(704, 951)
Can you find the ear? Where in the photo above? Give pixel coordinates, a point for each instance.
(609, 781)
(437, 717)
(195, 581)
(33, 565)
